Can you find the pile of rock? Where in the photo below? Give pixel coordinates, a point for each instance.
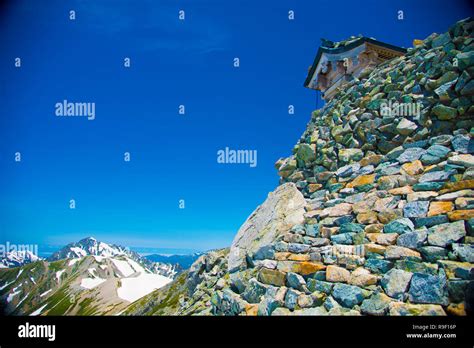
(375, 214)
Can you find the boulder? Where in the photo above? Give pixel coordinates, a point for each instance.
(283, 209)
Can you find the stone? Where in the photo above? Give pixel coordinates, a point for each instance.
(406, 127)
(411, 154)
(348, 155)
(446, 234)
(461, 215)
(347, 295)
(306, 153)
(251, 309)
(348, 170)
(444, 112)
(395, 283)
(283, 209)
(433, 254)
(407, 309)
(308, 267)
(416, 209)
(440, 175)
(343, 238)
(459, 186)
(415, 266)
(281, 311)
(425, 288)
(337, 274)
(465, 160)
(464, 252)
(319, 285)
(456, 269)
(273, 277)
(421, 196)
(351, 227)
(362, 180)
(399, 226)
(366, 218)
(361, 277)
(377, 304)
(428, 186)
(394, 252)
(312, 230)
(430, 221)
(400, 191)
(371, 160)
(338, 210)
(295, 281)
(412, 240)
(254, 291)
(298, 248)
(462, 143)
(378, 266)
(291, 298)
(265, 252)
(437, 208)
(383, 238)
(267, 306)
(413, 168)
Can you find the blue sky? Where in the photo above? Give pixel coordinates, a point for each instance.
(173, 156)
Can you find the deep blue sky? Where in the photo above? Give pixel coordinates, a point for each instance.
(173, 63)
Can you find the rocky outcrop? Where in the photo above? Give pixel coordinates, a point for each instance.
(283, 208)
(375, 212)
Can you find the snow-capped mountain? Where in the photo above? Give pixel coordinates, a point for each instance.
(17, 258)
(92, 247)
(64, 284)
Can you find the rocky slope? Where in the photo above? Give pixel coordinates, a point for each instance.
(375, 211)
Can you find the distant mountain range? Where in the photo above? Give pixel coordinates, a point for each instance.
(181, 262)
(88, 277)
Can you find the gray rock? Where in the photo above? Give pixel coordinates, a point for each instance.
(295, 281)
(347, 295)
(416, 209)
(464, 252)
(283, 209)
(291, 298)
(411, 154)
(377, 305)
(412, 240)
(446, 234)
(462, 143)
(425, 288)
(400, 226)
(254, 291)
(395, 283)
(441, 175)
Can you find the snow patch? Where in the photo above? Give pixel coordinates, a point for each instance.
(6, 284)
(59, 274)
(90, 283)
(12, 295)
(46, 292)
(136, 287)
(72, 262)
(38, 311)
(123, 267)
